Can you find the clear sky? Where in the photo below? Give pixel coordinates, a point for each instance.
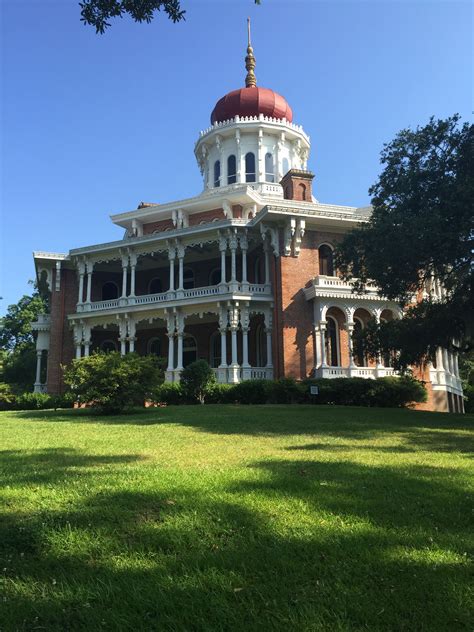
(94, 124)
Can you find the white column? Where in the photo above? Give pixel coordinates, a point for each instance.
(78, 350)
(244, 248)
(38, 367)
(234, 369)
(223, 323)
(268, 332)
(87, 332)
(170, 327)
(180, 335)
(322, 329)
(133, 265)
(350, 344)
(123, 336)
(81, 269)
(244, 325)
(260, 166)
(90, 268)
(180, 251)
(124, 275)
(132, 328)
(223, 250)
(239, 157)
(439, 359)
(233, 249)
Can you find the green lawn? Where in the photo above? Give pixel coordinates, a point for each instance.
(236, 518)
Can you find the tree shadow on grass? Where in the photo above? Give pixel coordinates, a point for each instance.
(49, 465)
(374, 548)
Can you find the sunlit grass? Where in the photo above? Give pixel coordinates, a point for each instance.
(236, 518)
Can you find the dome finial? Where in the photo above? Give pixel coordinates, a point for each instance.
(250, 79)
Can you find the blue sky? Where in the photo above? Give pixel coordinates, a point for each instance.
(94, 124)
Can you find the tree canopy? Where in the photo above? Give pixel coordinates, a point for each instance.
(97, 13)
(418, 244)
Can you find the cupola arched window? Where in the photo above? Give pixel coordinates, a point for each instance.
(250, 167)
(217, 173)
(109, 291)
(302, 192)
(269, 175)
(285, 166)
(231, 170)
(326, 260)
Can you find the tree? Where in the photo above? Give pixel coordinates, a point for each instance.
(111, 382)
(197, 379)
(419, 241)
(17, 341)
(97, 13)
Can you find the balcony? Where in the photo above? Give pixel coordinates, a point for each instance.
(174, 298)
(356, 371)
(334, 287)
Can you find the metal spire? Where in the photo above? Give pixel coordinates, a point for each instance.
(250, 79)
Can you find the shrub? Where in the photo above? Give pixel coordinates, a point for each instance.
(284, 391)
(221, 394)
(113, 383)
(197, 380)
(251, 392)
(396, 392)
(34, 401)
(7, 397)
(169, 393)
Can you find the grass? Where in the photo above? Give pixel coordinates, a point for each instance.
(236, 518)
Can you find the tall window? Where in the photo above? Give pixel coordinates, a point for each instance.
(326, 260)
(154, 346)
(332, 342)
(302, 191)
(285, 166)
(188, 279)
(250, 167)
(360, 356)
(231, 170)
(215, 349)
(269, 174)
(109, 291)
(215, 277)
(189, 350)
(260, 346)
(155, 286)
(217, 173)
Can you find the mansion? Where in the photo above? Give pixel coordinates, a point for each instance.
(241, 275)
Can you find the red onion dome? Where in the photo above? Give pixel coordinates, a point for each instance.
(251, 101)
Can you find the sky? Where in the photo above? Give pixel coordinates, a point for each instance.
(92, 125)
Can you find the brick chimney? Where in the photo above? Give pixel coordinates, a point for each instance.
(297, 185)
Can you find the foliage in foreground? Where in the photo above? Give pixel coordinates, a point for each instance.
(419, 239)
(113, 383)
(388, 392)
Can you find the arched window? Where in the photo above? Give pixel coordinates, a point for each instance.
(231, 170)
(109, 291)
(326, 260)
(360, 356)
(215, 349)
(260, 346)
(189, 350)
(107, 346)
(188, 279)
(250, 167)
(269, 174)
(215, 277)
(285, 166)
(302, 191)
(332, 342)
(154, 346)
(155, 286)
(217, 173)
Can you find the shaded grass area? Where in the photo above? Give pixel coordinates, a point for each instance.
(236, 518)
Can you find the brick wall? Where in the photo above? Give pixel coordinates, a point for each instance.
(61, 347)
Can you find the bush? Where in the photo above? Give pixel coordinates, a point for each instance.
(284, 391)
(169, 393)
(7, 397)
(113, 383)
(197, 380)
(221, 394)
(396, 392)
(251, 392)
(34, 401)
